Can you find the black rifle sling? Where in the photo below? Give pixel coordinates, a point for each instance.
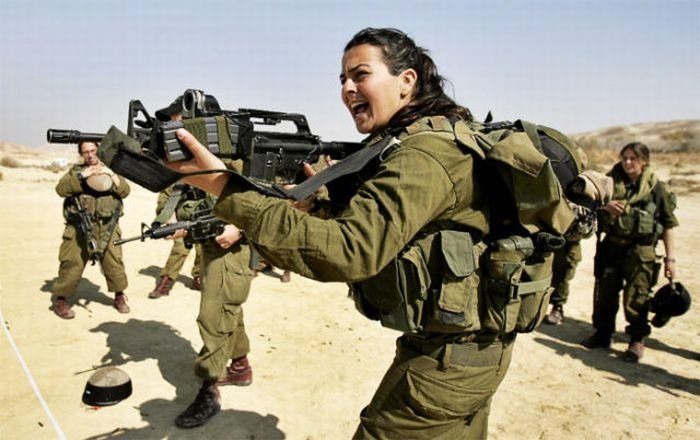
(351, 164)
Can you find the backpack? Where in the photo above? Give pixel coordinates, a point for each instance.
(507, 277)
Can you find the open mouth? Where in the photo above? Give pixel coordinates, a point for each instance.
(358, 108)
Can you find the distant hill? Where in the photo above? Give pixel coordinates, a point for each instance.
(667, 137)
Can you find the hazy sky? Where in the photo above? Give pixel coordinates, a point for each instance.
(572, 64)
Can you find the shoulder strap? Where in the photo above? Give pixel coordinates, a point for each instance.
(170, 205)
(351, 164)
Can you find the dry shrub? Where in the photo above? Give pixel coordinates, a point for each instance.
(599, 158)
(54, 167)
(10, 162)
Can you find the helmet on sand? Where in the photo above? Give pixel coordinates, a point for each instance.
(670, 300)
(107, 386)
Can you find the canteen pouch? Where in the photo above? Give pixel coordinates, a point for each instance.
(516, 293)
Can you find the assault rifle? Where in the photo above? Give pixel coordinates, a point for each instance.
(85, 229)
(269, 155)
(201, 228)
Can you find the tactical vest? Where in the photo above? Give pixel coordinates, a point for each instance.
(449, 281)
(640, 221)
(99, 206)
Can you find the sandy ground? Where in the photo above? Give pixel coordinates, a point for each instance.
(316, 361)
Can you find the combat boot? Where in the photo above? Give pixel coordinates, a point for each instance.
(205, 406)
(597, 340)
(634, 352)
(120, 303)
(196, 283)
(163, 287)
(239, 373)
(556, 316)
(61, 308)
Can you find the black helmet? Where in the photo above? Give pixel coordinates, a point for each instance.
(107, 386)
(670, 300)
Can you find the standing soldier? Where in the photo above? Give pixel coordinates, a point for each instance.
(640, 214)
(179, 252)
(226, 277)
(93, 204)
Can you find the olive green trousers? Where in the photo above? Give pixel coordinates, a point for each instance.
(226, 279)
(564, 266)
(73, 257)
(176, 259)
(441, 395)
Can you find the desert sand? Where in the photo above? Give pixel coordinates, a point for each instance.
(316, 361)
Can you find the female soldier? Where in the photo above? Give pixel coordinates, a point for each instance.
(641, 212)
(440, 384)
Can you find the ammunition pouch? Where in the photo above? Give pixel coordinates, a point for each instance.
(105, 206)
(432, 286)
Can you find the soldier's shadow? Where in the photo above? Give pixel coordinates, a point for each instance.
(85, 294)
(566, 339)
(154, 271)
(138, 340)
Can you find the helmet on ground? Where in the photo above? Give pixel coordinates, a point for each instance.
(107, 386)
(670, 300)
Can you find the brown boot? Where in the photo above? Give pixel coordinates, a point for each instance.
(61, 308)
(205, 406)
(634, 352)
(239, 373)
(120, 303)
(163, 287)
(196, 283)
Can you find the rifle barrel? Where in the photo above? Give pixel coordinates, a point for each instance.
(55, 136)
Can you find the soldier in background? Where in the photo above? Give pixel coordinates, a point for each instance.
(94, 192)
(226, 277)
(179, 252)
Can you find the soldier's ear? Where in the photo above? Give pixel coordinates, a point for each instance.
(407, 80)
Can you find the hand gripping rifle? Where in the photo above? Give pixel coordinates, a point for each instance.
(270, 155)
(201, 228)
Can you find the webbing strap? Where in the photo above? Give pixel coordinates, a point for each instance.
(170, 205)
(526, 287)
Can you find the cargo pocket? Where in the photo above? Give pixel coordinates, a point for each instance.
(454, 301)
(439, 399)
(230, 317)
(396, 294)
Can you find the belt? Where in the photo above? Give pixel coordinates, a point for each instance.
(647, 241)
(469, 350)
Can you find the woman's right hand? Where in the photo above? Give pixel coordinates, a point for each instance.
(615, 207)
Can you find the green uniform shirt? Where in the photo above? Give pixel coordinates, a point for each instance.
(426, 180)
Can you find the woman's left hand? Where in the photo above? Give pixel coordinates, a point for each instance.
(203, 160)
(670, 269)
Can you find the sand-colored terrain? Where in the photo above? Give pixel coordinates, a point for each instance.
(316, 361)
